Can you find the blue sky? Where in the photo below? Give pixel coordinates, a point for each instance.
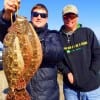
(89, 12)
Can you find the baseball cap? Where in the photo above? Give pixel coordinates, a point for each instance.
(70, 9)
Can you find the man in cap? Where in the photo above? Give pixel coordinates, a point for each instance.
(81, 63)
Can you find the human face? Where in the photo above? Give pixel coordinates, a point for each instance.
(38, 18)
(70, 21)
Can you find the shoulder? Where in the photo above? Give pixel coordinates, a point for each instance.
(87, 32)
(87, 29)
(54, 32)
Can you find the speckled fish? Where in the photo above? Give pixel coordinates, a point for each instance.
(22, 56)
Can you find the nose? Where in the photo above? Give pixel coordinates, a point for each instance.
(39, 16)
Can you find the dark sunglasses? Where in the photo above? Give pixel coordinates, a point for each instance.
(70, 15)
(36, 14)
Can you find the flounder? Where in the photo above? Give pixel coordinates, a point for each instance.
(22, 56)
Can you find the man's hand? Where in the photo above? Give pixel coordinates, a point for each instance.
(70, 78)
(10, 6)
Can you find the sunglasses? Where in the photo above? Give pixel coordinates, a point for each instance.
(70, 15)
(36, 14)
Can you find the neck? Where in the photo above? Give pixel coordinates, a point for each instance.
(70, 29)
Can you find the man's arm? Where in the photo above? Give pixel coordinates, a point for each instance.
(5, 16)
(95, 49)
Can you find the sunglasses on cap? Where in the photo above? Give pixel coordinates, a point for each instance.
(70, 15)
(36, 14)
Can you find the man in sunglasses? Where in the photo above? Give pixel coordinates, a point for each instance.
(43, 86)
(81, 63)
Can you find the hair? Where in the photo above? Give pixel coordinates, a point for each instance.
(39, 6)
